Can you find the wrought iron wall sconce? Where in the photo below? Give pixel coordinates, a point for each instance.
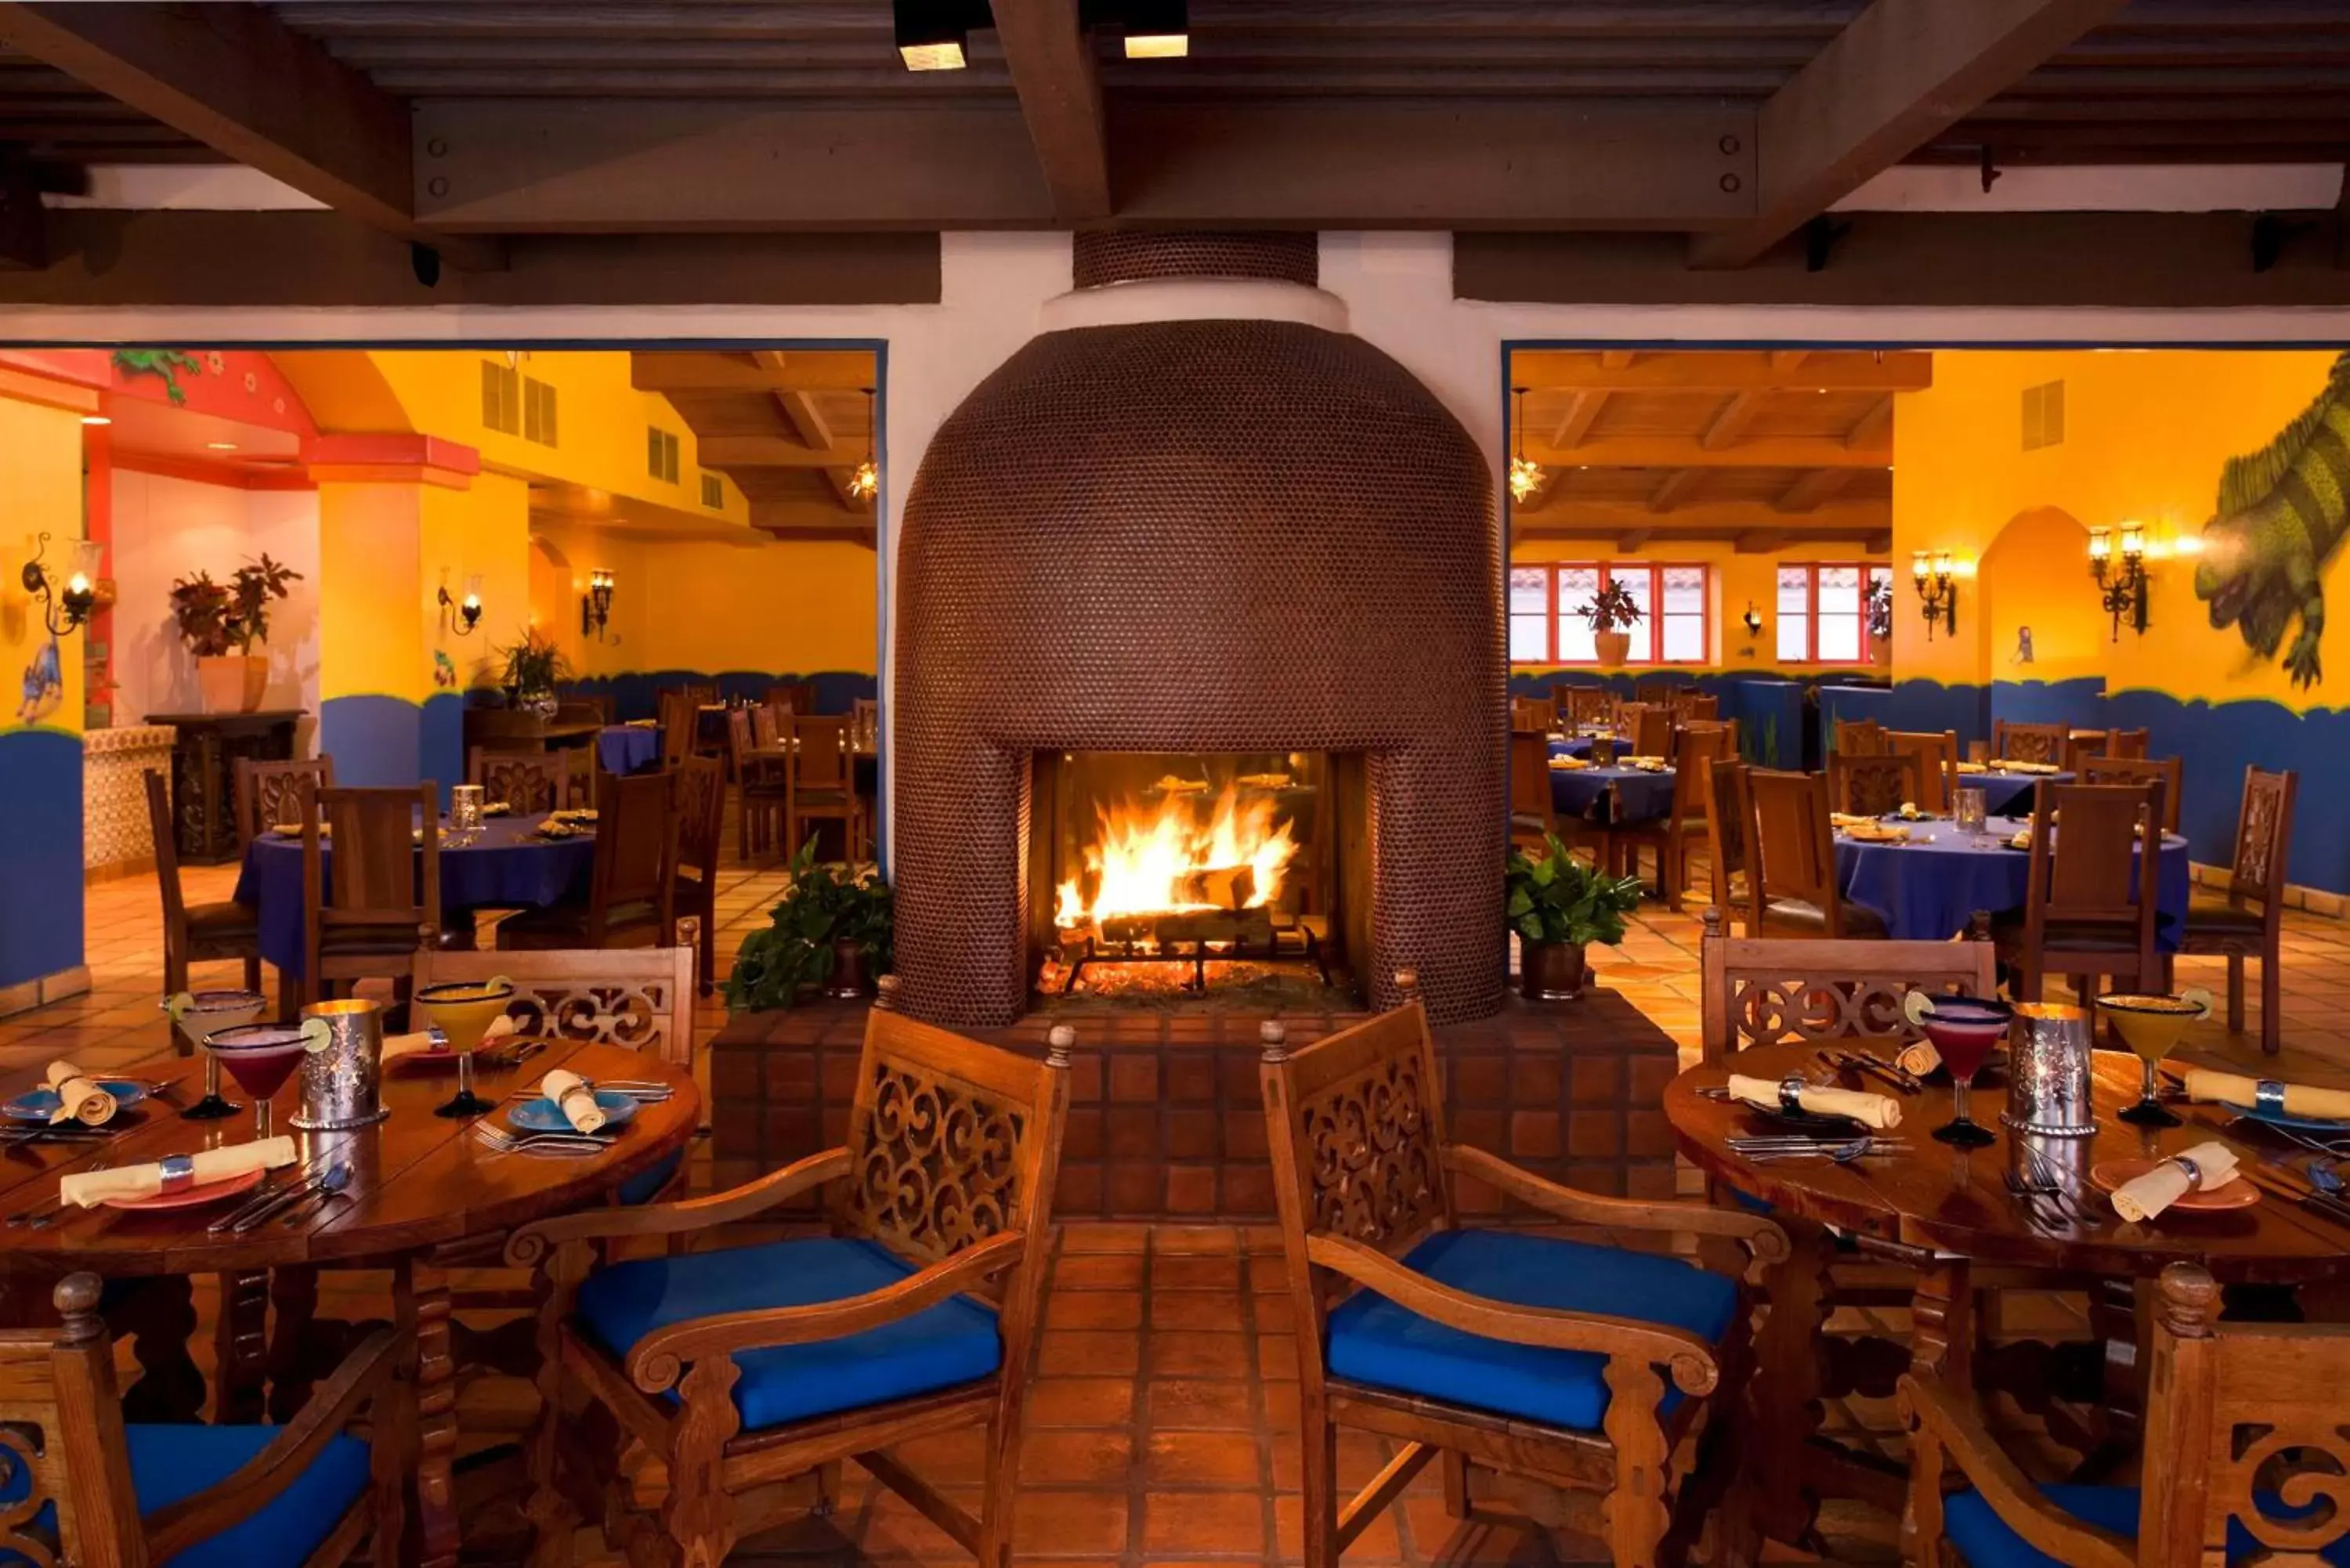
(596, 604)
(2121, 574)
(1938, 589)
(1752, 620)
(65, 605)
(468, 611)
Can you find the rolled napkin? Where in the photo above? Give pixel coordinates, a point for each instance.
(1849, 819)
(1918, 1058)
(1881, 1112)
(570, 1092)
(2143, 1198)
(78, 1098)
(2208, 1085)
(88, 1188)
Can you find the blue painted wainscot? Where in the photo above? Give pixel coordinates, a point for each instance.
(41, 854)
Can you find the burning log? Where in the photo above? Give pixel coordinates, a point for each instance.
(1226, 886)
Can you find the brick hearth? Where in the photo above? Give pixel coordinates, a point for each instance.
(1165, 1121)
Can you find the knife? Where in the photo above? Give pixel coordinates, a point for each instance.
(268, 1191)
(260, 1214)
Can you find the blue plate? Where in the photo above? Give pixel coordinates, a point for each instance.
(40, 1105)
(2298, 1124)
(542, 1114)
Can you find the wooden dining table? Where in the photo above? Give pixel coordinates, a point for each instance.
(1945, 1220)
(426, 1195)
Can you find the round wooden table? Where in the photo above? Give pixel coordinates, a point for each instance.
(1943, 1211)
(425, 1196)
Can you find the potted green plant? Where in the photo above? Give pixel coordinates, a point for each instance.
(832, 932)
(1880, 621)
(532, 669)
(213, 618)
(1609, 613)
(1558, 905)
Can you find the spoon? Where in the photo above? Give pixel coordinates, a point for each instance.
(1841, 1153)
(330, 1188)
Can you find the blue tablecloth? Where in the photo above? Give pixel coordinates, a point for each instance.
(624, 749)
(2010, 795)
(1929, 888)
(1570, 745)
(1636, 797)
(506, 869)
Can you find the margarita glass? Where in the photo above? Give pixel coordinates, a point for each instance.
(260, 1057)
(2150, 1024)
(1963, 1028)
(463, 1010)
(197, 1013)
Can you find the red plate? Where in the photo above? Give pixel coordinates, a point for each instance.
(188, 1198)
(2238, 1194)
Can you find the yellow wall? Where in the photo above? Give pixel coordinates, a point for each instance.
(794, 607)
(371, 640)
(2145, 434)
(483, 529)
(40, 474)
(562, 556)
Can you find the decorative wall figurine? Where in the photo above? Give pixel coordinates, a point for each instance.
(2022, 645)
(45, 685)
(164, 362)
(2279, 518)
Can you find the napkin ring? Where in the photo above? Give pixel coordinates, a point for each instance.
(2268, 1095)
(2194, 1172)
(1791, 1094)
(179, 1172)
(437, 1037)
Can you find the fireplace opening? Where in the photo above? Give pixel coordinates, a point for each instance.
(1184, 871)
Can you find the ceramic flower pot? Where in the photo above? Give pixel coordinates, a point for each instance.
(1613, 648)
(1551, 971)
(232, 682)
(848, 982)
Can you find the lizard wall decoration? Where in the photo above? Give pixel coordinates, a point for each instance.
(2281, 516)
(164, 362)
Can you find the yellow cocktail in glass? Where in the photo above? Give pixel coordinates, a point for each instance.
(463, 1010)
(2150, 1024)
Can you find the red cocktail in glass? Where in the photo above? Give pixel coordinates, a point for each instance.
(1964, 1029)
(260, 1057)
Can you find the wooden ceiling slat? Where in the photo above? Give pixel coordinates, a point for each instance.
(1727, 370)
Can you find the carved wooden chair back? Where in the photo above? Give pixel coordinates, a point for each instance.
(1860, 738)
(2264, 839)
(640, 999)
(680, 717)
(1795, 846)
(1872, 785)
(1655, 694)
(595, 709)
(783, 700)
(742, 735)
(700, 696)
(1532, 808)
(767, 724)
(865, 724)
(1729, 727)
(2125, 742)
(701, 800)
(636, 848)
(2166, 774)
(1772, 990)
(819, 754)
(2095, 880)
(1533, 715)
(1689, 703)
(1730, 837)
(1647, 729)
(1584, 704)
(1937, 756)
(527, 781)
(268, 793)
(367, 912)
(2028, 743)
(1695, 751)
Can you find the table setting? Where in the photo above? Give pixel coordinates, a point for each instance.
(2007, 785)
(1633, 789)
(1926, 876)
(628, 748)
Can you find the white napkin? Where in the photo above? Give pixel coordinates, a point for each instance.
(89, 1188)
(1881, 1112)
(78, 1098)
(2205, 1084)
(570, 1092)
(2143, 1198)
(1919, 1058)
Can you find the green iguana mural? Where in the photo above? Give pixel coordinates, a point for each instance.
(2281, 514)
(164, 362)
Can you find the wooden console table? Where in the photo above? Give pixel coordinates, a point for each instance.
(203, 772)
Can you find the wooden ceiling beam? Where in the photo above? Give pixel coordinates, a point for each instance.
(1728, 425)
(827, 370)
(1900, 72)
(808, 422)
(1859, 517)
(1875, 428)
(1810, 490)
(731, 451)
(1788, 358)
(1725, 371)
(253, 90)
(1632, 539)
(1674, 488)
(1619, 359)
(808, 522)
(1686, 452)
(1052, 65)
(1583, 411)
(1761, 542)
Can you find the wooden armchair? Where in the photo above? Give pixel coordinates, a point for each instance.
(748, 1366)
(1647, 729)
(2243, 1456)
(2090, 896)
(2029, 742)
(2236, 930)
(1864, 785)
(823, 786)
(530, 782)
(268, 793)
(681, 725)
(1535, 1365)
(79, 1485)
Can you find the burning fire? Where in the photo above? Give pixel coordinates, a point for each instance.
(1170, 860)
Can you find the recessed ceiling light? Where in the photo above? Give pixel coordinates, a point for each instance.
(96, 419)
(931, 34)
(1156, 29)
(1158, 46)
(220, 446)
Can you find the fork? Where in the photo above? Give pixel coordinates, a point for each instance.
(540, 1143)
(34, 1216)
(2028, 1197)
(2045, 1179)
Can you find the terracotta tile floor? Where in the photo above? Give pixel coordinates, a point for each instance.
(1163, 1403)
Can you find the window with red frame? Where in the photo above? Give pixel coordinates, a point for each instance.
(1823, 611)
(1675, 599)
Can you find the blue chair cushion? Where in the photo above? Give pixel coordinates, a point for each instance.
(645, 1185)
(1984, 1539)
(951, 1343)
(1376, 1342)
(168, 1463)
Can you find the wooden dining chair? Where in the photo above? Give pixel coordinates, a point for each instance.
(795, 697)
(865, 723)
(680, 721)
(366, 913)
(767, 725)
(195, 933)
(762, 784)
(632, 890)
(1937, 756)
(1794, 862)
(1533, 815)
(1654, 692)
(2242, 1455)
(1533, 715)
(2251, 923)
(1865, 784)
(81, 1485)
(1691, 705)
(1694, 752)
(2029, 742)
(1775, 991)
(745, 1366)
(821, 783)
(1648, 730)
(701, 831)
(1730, 842)
(1585, 706)
(1860, 738)
(1571, 1365)
(530, 782)
(2090, 898)
(2123, 743)
(2166, 774)
(269, 794)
